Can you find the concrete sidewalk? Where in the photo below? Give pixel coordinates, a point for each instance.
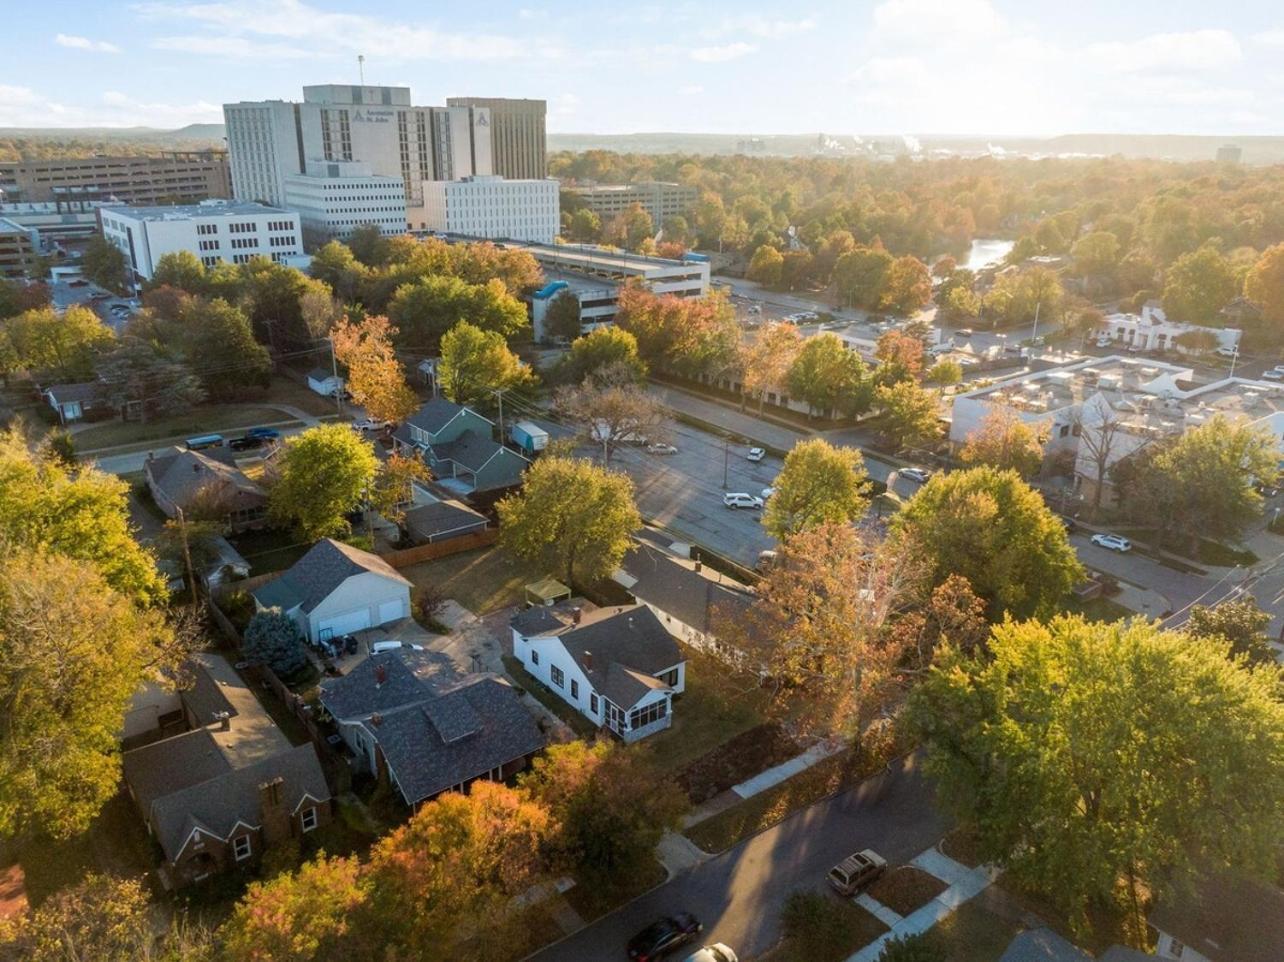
(774, 776)
(746, 424)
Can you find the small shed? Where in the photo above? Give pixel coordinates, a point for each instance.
(324, 382)
(546, 591)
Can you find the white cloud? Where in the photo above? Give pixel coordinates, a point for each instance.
(1270, 38)
(722, 53)
(765, 27)
(1192, 51)
(690, 90)
(323, 32)
(232, 48)
(922, 21)
(84, 43)
(25, 107)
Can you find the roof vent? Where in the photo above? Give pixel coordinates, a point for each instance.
(381, 674)
(376, 719)
(588, 661)
(577, 615)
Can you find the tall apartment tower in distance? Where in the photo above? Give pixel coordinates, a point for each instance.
(519, 144)
(376, 127)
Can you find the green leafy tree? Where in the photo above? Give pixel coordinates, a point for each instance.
(1198, 285)
(273, 295)
(572, 517)
(220, 347)
(818, 484)
(334, 264)
(860, 276)
(606, 833)
(909, 416)
(1002, 440)
(1087, 754)
(829, 377)
(605, 349)
(476, 363)
(104, 264)
(1240, 622)
(1200, 484)
(80, 512)
(61, 347)
(586, 226)
(563, 316)
(179, 269)
(630, 228)
(765, 266)
(273, 639)
(944, 373)
(425, 310)
(369, 246)
(323, 475)
(960, 303)
(1096, 253)
(996, 531)
(102, 918)
(75, 653)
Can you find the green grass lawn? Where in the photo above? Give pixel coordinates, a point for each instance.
(833, 929)
(973, 933)
(269, 550)
(528, 682)
(1098, 609)
(483, 580)
(592, 901)
(199, 420)
(283, 390)
(718, 704)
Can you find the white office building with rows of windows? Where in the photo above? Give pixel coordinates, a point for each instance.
(335, 198)
(494, 208)
(214, 230)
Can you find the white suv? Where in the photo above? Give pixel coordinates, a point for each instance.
(1112, 542)
(741, 499)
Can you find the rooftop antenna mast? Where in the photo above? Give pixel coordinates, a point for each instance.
(361, 67)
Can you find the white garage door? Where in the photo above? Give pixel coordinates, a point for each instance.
(344, 624)
(392, 611)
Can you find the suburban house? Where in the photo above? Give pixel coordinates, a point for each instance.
(617, 667)
(325, 383)
(435, 519)
(458, 446)
(192, 699)
(1044, 945)
(225, 564)
(336, 589)
(72, 401)
(1225, 919)
(428, 738)
(687, 598)
(177, 481)
(216, 797)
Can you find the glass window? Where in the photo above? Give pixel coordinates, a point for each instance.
(242, 847)
(534, 657)
(557, 675)
(593, 703)
(575, 688)
(309, 819)
(641, 717)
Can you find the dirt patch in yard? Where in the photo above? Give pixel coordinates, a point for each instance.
(961, 845)
(906, 888)
(744, 756)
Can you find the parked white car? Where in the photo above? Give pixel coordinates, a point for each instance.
(661, 449)
(915, 474)
(741, 499)
(393, 645)
(1274, 374)
(1103, 342)
(756, 454)
(366, 425)
(714, 953)
(1227, 352)
(1112, 542)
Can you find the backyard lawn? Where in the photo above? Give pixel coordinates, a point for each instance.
(269, 550)
(199, 420)
(484, 580)
(973, 933)
(1098, 609)
(718, 704)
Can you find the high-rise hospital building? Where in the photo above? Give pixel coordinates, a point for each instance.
(274, 143)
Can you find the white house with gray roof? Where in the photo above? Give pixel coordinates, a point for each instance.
(618, 667)
(336, 589)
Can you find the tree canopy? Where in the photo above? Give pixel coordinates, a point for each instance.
(323, 475)
(818, 484)
(476, 363)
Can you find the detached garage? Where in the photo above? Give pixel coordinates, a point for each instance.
(336, 589)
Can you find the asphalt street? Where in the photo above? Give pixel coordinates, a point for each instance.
(739, 895)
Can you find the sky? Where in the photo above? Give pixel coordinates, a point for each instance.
(857, 67)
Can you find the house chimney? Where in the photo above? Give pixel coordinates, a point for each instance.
(699, 566)
(376, 719)
(381, 674)
(588, 661)
(576, 615)
(224, 719)
(275, 814)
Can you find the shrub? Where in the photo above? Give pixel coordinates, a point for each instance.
(274, 640)
(912, 948)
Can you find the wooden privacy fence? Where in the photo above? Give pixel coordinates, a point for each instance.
(404, 557)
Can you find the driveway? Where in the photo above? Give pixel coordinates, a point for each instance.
(739, 894)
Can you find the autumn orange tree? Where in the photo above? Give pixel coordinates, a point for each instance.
(375, 376)
(765, 361)
(1002, 440)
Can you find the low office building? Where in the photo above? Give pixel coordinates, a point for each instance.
(216, 231)
(19, 247)
(1151, 330)
(494, 208)
(54, 220)
(598, 300)
(659, 199)
(176, 177)
(334, 198)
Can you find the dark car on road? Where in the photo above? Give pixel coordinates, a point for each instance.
(267, 434)
(663, 936)
(247, 443)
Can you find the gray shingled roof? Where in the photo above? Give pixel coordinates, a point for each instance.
(218, 803)
(434, 415)
(452, 738)
(312, 578)
(672, 587)
(320, 374)
(470, 450)
(618, 649)
(432, 739)
(184, 474)
(1227, 919)
(1042, 945)
(172, 764)
(85, 391)
(204, 698)
(429, 521)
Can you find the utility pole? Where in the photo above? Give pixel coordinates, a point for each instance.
(500, 394)
(1034, 331)
(338, 385)
(361, 67)
(187, 554)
